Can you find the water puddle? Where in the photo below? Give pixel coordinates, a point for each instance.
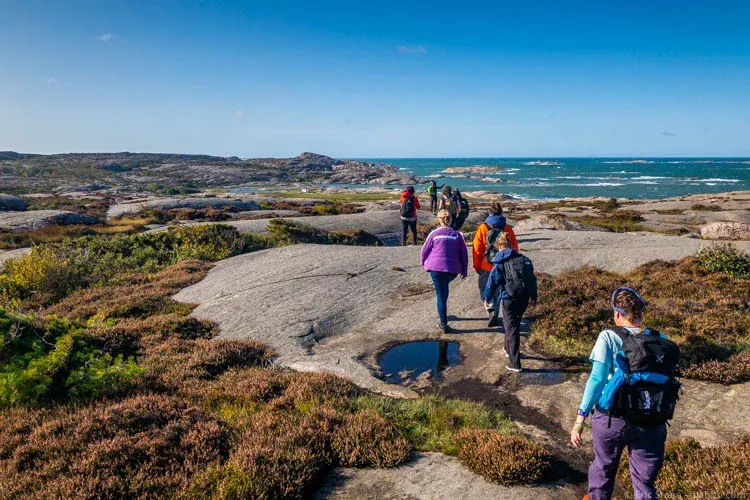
(418, 362)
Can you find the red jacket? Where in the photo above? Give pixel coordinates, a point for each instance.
(406, 194)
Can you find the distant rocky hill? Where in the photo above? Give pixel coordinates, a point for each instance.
(139, 171)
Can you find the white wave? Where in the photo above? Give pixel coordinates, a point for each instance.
(646, 182)
(598, 184)
(648, 177)
(629, 162)
(711, 184)
(720, 180)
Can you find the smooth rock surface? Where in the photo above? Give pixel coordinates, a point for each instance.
(726, 231)
(37, 219)
(554, 223)
(11, 203)
(136, 206)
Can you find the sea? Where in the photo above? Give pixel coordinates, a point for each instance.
(555, 178)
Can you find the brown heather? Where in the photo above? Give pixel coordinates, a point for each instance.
(692, 471)
(368, 440)
(142, 446)
(704, 312)
(507, 459)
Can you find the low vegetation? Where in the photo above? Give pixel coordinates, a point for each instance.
(108, 388)
(706, 208)
(56, 234)
(341, 197)
(618, 221)
(700, 302)
(692, 471)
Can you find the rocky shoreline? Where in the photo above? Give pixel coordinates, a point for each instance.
(172, 173)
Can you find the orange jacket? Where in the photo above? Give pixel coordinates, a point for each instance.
(479, 246)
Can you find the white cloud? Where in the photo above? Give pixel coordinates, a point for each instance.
(105, 37)
(51, 80)
(412, 49)
(239, 113)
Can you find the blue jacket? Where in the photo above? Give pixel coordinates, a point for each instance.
(497, 275)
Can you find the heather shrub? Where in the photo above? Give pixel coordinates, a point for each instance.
(703, 310)
(726, 259)
(142, 446)
(279, 456)
(368, 440)
(177, 363)
(134, 296)
(354, 237)
(733, 370)
(430, 423)
(691, 471)
(502, 458)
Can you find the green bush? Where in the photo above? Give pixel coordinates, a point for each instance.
(431, 422)
(727, 259)
(56, 361)
(52, 271)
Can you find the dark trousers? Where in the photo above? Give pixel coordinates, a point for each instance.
(441, 280)
(458, 222)
(433, 203)
(405, 226)
(646, 451)
(513, 310)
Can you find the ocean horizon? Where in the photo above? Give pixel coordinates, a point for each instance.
(540, 178)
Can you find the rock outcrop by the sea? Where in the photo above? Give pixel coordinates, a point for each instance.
(10, 202)
(137, 206)
(37, 219)
(726, 231)
(554, 222)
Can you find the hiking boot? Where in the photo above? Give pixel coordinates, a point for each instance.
(447, 329)
(493, 319)
(514, 370)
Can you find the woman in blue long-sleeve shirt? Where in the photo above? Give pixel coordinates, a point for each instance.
(612, 434)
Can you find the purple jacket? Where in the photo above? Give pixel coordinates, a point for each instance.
(445, 250)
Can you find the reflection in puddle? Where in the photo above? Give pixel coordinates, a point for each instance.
(417, 361)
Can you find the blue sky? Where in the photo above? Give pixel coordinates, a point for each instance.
(376, 79)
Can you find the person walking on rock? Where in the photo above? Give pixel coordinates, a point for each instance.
(409, 206)
(444, 256)
(463, 210)
(432, 190)
(643, 363)
(448, 203)
(481, 256)
(512, 285)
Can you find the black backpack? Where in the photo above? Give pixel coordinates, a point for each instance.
(493, 234)
(647, 391)
(520, 280)
(407, 208)
(464, 204)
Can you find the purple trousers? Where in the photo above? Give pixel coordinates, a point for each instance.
(646, 449)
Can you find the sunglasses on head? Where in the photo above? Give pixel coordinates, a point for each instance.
(626, 289)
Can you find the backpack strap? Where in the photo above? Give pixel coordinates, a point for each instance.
(621, 332)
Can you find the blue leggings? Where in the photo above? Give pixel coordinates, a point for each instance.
(441, 280)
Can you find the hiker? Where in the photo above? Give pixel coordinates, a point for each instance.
(447, 203)
(463, 210)
(444, 256)
(432, 190)
(483, 251)
(511, 286)
(409, 206)
(633, 390)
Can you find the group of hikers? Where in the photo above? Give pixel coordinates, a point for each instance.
(632, 388)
